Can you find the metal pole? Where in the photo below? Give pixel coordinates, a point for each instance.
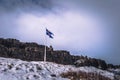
(45, 52)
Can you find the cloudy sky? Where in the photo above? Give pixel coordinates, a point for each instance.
(83, 27)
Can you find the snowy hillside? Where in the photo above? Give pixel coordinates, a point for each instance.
(15, 69)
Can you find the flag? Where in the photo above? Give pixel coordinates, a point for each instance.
(49, 33)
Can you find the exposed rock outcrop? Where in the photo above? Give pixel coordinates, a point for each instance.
(13, 48)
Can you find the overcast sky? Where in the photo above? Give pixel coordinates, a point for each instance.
(83, 27)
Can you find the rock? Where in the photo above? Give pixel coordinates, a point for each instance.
(13, 48)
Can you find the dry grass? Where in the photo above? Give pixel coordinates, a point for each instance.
(83, 76)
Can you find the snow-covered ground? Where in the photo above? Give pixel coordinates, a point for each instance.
(15, 69)
(116, 71)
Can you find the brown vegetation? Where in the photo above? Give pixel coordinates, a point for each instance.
(83, 76)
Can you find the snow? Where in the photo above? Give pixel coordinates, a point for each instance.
(15, 69)
(115, 71)
(80, 61)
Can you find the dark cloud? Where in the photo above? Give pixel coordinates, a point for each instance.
(12, 5)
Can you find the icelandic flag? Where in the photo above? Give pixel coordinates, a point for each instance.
(49, 33)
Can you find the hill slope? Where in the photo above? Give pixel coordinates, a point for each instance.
(12, 48)
(15, 69)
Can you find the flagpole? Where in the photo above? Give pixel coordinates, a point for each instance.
(45, 51)
(45, 54)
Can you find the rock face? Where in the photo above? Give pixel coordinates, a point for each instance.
(13, 48)
(84, 61)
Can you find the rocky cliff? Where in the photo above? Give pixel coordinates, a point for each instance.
(12, 48)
